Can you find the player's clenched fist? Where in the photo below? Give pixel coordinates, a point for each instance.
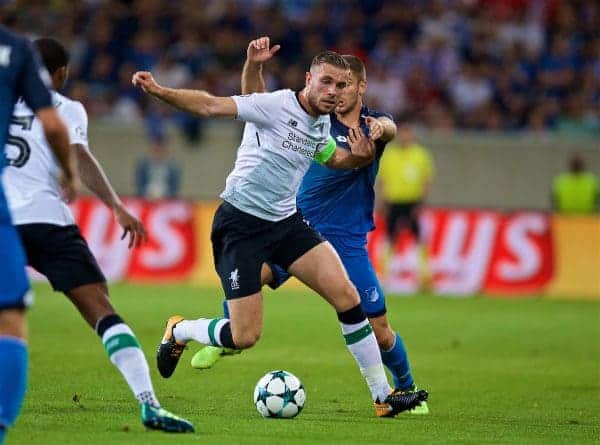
(145, 81)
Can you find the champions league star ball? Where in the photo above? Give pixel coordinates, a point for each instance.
(279, 394)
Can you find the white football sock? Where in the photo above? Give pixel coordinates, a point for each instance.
(124, 352)
(204, 330)
(363, 346)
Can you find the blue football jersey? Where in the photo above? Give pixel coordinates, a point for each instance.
(20, 76)
(342, 201)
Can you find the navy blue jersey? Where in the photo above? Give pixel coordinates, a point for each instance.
(341, 201)
(20, 76)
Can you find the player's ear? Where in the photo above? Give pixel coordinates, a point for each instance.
(61, 75)
(307, 78)
(362, 87)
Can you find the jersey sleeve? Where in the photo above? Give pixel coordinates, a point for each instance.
(76, 119)
(34, 81)
(378, 114)
(258, 108)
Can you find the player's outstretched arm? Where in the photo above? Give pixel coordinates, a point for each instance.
(258, 52)
(95, 179)
(362, 152)
(58, 138)
(196, 102)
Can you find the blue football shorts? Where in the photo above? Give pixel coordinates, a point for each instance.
(360, 270)
(14, 284)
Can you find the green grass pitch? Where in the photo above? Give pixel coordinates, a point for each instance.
(498, 371)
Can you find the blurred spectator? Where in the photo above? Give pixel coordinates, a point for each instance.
(470, 91)
(574, 121)
(168, 71)
(576, 191)
(531, 64)
(157, 175)
(405, 175)
(557, 68)
(385, 92)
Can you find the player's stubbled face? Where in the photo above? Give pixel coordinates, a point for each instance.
(325, 88)
(349, 97)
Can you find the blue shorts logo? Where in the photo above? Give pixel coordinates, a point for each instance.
(372, 294)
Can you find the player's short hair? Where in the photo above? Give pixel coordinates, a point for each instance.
(53, 53)
(356, 66)
(330, 58)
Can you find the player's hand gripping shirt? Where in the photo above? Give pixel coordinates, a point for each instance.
(341, 201)
(32, 173)
(280, 142)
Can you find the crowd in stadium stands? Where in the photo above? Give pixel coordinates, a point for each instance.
(475, 64)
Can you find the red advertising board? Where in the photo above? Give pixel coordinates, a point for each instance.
(170, 253)
(472, 251)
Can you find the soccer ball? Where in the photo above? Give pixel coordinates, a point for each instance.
(279, 394)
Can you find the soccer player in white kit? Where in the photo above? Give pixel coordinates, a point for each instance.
(258, 220)
(53, 244)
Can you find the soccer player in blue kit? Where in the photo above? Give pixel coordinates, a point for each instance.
(21, 76)
(339, 205)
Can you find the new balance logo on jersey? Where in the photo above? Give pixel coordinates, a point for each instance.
(5, 55)
(79, 131)
(234, 276)
(293, 123)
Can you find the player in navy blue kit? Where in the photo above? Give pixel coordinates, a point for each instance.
(339, 205)
(21, 76)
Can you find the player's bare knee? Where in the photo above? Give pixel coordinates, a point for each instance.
(347, 297)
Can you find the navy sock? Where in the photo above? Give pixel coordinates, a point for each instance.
(13, 379)
(396, 360)
(226, 338)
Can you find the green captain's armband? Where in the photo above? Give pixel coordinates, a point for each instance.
(323, 156)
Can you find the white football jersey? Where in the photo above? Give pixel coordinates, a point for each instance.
(279, 143)
(31, 175)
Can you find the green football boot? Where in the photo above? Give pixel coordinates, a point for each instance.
(161, 419)
(206, 357)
